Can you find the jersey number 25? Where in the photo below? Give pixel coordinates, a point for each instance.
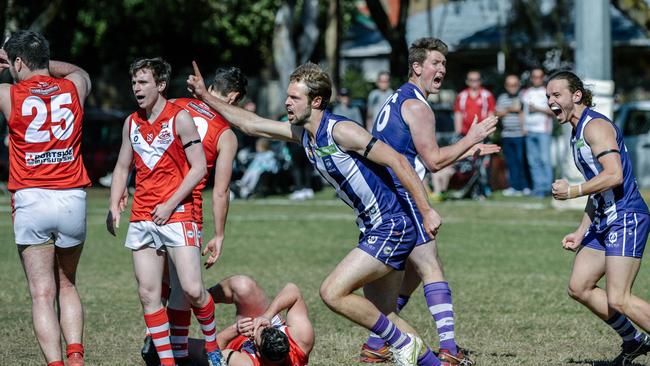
(62, 119)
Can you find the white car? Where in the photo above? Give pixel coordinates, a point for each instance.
(634, 121)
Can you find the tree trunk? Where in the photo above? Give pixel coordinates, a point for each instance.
(332, 40)
(396, 36)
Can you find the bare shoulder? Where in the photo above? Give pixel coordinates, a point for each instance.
(414, 110)
(599, 128)
(349, 135)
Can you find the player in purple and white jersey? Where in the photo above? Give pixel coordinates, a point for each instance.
(406, 123)
(612, 235)
(355, 164)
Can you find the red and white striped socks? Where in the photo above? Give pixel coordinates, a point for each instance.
(205, 316)
(158, 327)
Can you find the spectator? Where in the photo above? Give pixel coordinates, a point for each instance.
(377, 97)
(264, 161)
(343, 107)
(474, 103)
(512, 137)
(537, 128)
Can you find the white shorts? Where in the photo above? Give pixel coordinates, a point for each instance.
(143, 234)
(41, 215)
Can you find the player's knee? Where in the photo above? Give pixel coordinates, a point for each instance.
(42, 293)
(329, 295)
(148, 296)
(194, 293)
(243, 287)
(578, 291)
(573, 292)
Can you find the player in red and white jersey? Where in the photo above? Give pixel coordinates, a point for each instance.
(220, 147)
(260, 337)
(161, 140)
(44, 110)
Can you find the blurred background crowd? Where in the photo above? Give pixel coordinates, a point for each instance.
(501, 51)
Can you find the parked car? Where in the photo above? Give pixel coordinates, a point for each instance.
(634, 121)
(101, 140)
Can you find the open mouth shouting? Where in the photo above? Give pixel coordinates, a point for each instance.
(557, 110)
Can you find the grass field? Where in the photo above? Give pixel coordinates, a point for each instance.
(502, 258)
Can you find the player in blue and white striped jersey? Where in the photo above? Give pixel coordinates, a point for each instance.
(355, 163)
(406, 122)
(612, 235)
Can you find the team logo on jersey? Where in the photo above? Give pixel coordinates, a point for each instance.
(149, 137)
(612, 237)
(165, 137)
(202, 109)
(44, 89)
(329, 164)
(372, 239)
(54, 156)
(326, 150)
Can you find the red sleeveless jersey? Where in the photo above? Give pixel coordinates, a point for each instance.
(296, 356)
(210, 125)
(160, 163)
(45, 135)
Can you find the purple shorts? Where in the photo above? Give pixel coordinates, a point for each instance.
(625, 237)
(391, 242)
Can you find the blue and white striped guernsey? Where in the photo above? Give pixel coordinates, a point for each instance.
(615, 202)
(363, 185)
(390, 127)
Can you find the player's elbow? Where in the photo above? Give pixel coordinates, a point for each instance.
(433, 165)
(293, 289)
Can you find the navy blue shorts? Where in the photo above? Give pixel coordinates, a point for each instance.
(391, 242)
(625, 237)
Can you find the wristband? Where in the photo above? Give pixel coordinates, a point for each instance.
(580, 190)
(568, 192)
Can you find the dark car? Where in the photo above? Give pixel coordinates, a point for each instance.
(101, 140)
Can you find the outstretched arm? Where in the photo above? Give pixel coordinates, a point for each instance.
(351, 137)
(421, 122)
(250, 123)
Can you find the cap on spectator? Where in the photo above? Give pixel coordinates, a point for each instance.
(344, 92)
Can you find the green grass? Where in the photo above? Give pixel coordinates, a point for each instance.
(502, 258)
